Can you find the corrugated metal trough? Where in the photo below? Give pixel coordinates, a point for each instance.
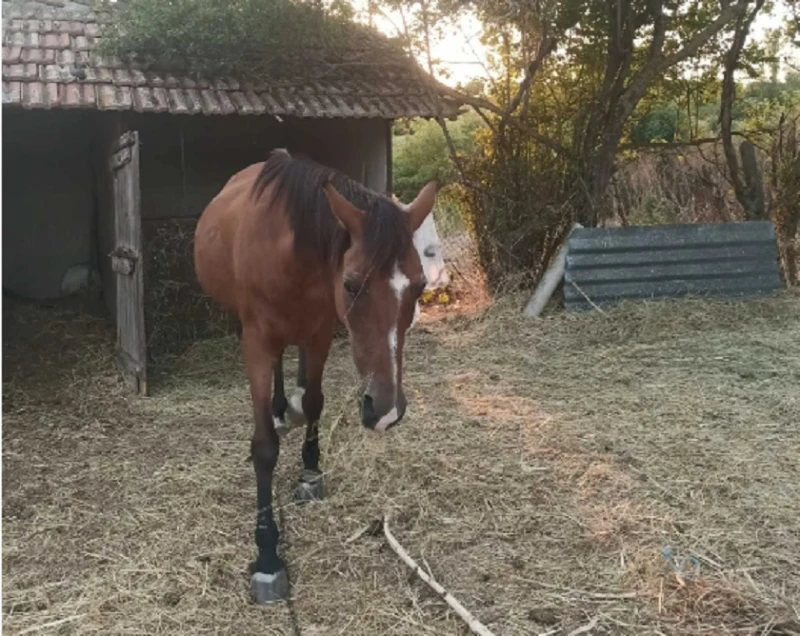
(606, 265)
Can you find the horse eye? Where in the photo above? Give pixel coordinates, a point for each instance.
(352, 287)
(430, 252)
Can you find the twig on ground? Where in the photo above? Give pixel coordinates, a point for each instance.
(474, 624)
(585, 628)
(583, 293)
(60, 621)
(602, 596)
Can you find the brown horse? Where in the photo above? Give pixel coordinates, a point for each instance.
(292, 247)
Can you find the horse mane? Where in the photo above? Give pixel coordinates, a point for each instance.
(300, 182)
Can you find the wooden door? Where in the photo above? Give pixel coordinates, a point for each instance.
(126, 262)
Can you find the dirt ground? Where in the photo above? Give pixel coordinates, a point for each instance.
(544, 469)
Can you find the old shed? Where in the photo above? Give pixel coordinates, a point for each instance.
(107, 166)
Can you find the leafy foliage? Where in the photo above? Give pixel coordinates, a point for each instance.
(225, 37)
(421, 154)
(569, 84)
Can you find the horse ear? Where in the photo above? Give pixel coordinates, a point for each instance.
(349, 216)
(421, 207)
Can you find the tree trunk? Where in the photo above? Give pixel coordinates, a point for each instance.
(753, 195)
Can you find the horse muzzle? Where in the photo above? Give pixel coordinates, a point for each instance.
(381, 420)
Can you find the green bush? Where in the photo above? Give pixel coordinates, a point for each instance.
(226, 37)
(421, 153)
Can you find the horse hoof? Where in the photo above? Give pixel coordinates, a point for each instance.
(311, 487)
(269, 588)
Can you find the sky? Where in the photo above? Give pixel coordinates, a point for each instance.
(463, 56)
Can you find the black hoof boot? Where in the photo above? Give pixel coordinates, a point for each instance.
(311, 487)
(269, 588)
(269, 582)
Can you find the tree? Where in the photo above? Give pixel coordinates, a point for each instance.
(567, 83)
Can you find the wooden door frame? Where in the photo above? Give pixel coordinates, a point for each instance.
(127, 260)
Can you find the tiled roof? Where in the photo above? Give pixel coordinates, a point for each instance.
(49, 62)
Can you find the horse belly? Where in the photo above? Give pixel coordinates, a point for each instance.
(213, 257)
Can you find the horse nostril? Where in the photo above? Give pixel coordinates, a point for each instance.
(367, 409)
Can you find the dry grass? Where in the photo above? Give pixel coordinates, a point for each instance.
(542, 467)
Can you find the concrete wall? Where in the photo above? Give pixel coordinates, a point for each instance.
(48, 199)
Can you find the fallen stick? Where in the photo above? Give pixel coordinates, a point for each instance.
(56, 623)
(588, 300)
(586, 628)
(474, 624)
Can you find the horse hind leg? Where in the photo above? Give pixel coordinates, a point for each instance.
(295, 415)
(269, 582)
(311, 485)
(280, 405)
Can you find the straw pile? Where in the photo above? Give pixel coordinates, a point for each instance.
(542, 468)
(177, 313)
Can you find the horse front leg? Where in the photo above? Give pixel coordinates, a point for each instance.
(269, 582)
(311, 485)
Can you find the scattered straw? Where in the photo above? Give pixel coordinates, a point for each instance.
(568, 451)
(473, 623)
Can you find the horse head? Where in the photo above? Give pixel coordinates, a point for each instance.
(378, 286)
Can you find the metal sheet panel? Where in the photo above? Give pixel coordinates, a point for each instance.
(605, 265)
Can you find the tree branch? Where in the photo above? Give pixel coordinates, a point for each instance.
(658, 62)
(546, 46)
(669, 145)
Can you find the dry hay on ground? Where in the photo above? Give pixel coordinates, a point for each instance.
(542, 467)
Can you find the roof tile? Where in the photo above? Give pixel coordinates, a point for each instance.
(114, 97)
(78, 95)
(81, 43)
(14, 38)
(69, 27)
(55, 41)
(65, 57)
(11, 54)
(39, 56)
(99, 75)
(177, 101)
(42, 47)
(211, 105)
(12, 92)
(56, 73)
(145, 99)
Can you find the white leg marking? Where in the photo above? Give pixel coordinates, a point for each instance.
(280, 425)
(386, 420)
(296, 399)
